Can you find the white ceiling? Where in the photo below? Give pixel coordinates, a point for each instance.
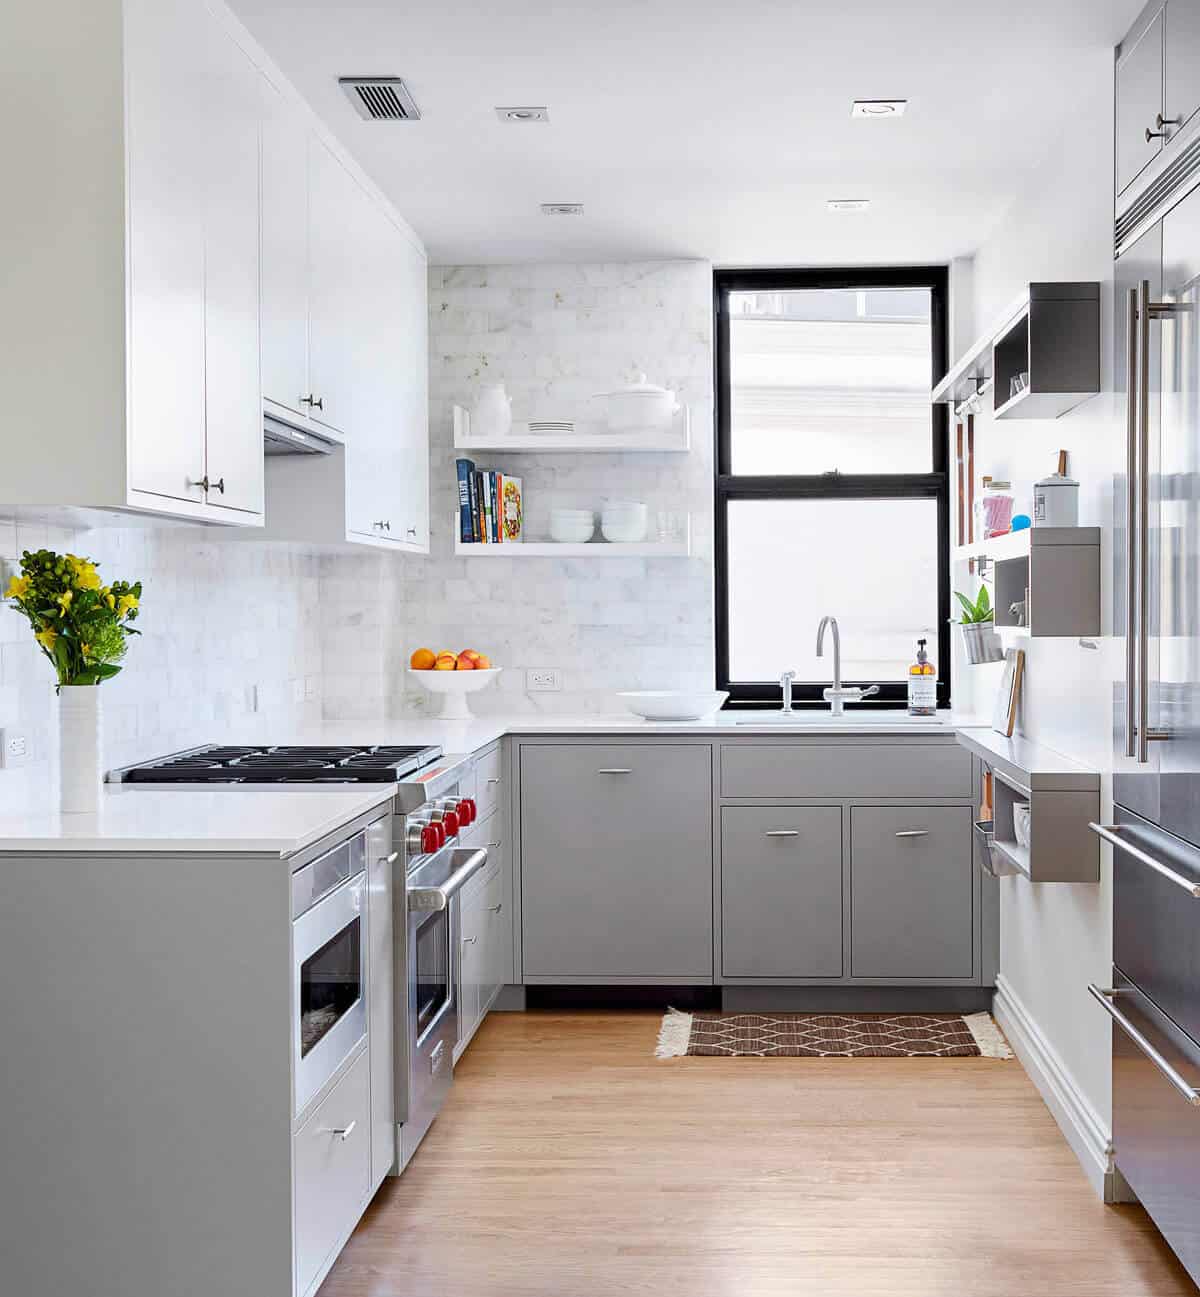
(695, 129)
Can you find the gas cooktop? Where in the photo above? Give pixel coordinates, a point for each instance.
(261, 764)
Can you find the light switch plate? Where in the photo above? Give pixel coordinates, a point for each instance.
(14, 748)
(543, 680)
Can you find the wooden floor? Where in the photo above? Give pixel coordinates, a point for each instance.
(571, 1163)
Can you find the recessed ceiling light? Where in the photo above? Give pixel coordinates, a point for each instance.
(848, 204)
(879, 108)
(523, 114)
(562, 209)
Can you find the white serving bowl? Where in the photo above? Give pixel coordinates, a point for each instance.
(571, 530)
(674, 704)
(454, 687)
(624, 522)
(639, 407)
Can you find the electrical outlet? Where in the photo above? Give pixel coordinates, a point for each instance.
(543, 680)
(14, 748)
(252, 698)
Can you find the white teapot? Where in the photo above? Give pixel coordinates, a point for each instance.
(492, 414)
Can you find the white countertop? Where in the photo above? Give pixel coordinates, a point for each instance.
(235, 820)
(280, 821)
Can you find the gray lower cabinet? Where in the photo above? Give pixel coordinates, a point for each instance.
(911, 892)
(616, 862)
(781, 891)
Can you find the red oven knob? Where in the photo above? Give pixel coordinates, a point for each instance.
(431, 838)
(450, 823)
(466, 811)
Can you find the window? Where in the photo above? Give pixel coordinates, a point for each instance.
(831, 494)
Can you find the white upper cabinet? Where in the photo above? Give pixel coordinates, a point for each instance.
(345, 352)
(130, 343)
(284, 257)
(1181, 61)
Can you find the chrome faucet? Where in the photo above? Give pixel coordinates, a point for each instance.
(785, 686)
(837, 696)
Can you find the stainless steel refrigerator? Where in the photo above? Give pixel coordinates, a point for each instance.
(1154, 998)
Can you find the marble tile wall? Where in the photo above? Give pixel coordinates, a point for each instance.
(232, 642)
(557, 334)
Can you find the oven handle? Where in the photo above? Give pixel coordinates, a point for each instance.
(1110, 832)
(431, 899)
(1104, 998)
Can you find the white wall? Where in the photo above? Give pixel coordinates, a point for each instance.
(556, 334)
(1055, 938)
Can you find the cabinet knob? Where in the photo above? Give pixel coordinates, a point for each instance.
(313, 402)
(412, 531)
(201, 482)
(343, 1133)
(469, 941)
(1160, 121)
(495, 909)
(1155, 135)
(219, 485)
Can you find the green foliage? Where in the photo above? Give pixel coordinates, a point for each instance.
(978, 610)
(81, 625)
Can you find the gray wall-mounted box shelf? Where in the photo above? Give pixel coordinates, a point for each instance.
(1052, 335)
(1063, 798)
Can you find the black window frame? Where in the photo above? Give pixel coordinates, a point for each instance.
(934, 485)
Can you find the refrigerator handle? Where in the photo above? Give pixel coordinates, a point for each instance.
(1143, 525)
(1131, 475)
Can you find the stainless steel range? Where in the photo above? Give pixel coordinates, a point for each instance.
(431, 866)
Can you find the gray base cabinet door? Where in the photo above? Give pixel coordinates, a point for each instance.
(781, 891)
(616, 861)
(911, 892)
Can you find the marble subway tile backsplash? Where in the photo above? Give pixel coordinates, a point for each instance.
(556, 335)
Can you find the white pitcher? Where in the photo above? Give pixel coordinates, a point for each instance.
(492, 415)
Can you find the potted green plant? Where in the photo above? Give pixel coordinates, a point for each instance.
(82, 627)
(978, 627)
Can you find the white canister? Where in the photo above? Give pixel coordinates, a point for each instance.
(1056, 498)
(79, 763)
(492, 414)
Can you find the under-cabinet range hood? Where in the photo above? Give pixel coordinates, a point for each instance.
(281, 438)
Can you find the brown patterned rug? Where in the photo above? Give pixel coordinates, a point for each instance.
(830, 1035)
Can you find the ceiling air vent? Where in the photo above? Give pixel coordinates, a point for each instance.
(380, 99)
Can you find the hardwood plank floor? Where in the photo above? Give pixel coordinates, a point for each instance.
(570, 1162)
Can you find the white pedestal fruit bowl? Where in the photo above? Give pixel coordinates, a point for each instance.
(454, 686)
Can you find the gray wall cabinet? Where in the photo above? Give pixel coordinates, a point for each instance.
(616, 862)
(781, 891)
(912, 884)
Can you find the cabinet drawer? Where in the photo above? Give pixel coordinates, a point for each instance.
(489, 780)
(911, 892)
(845, 770)
(781, 891)
(332, 1172)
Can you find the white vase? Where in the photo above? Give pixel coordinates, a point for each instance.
(492, 415)
(79, 749)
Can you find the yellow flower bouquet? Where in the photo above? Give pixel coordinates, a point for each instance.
(81, 624)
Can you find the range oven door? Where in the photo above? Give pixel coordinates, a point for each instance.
(329, 986)
(432, 899)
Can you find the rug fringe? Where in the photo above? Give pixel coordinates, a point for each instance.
(987, 1035)
(674, 1034)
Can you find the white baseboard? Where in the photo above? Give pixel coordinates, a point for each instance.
(1080, 1123)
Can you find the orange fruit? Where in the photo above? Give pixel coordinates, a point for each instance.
(483, 663)
(465, 663)
(470, 655)
(423, 660)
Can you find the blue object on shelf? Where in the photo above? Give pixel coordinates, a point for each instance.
(1021, 521)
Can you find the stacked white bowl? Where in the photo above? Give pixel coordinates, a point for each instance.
(572, 526)
(623, 522)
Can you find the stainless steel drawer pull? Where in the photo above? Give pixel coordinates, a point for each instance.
(1104, 997)
(469, 941)
(782, 833)
(495, 909)
(493, 846)
(912, 833)
(493, 781)
(1110, 832)
(615, 770)
(343, 1133)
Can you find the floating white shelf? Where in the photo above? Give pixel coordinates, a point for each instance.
(589, 438)
(589, 549)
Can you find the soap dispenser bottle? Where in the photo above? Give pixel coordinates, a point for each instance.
(922, 684)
